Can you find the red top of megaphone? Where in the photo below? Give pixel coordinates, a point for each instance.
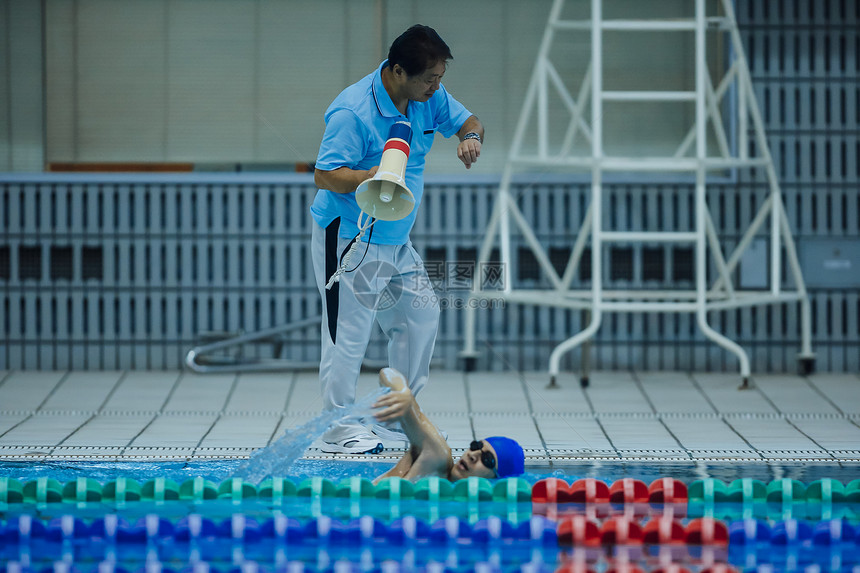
(385, 196)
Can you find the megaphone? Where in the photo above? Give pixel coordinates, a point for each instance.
(385, 196)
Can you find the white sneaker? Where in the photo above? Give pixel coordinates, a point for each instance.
(389, 433)
(359, 444)
(397, 434)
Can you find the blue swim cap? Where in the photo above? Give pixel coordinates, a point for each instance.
(510, 456)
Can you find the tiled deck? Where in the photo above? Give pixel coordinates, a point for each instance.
(668, 416)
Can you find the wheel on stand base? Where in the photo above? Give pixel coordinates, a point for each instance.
(469, 363)
(584, 382)
(805, 365)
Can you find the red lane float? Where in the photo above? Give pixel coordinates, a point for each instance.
(667, 490)
(671, 568)
(574, 568)
(719, 568)
(620, 531)
(628, 490)
(578, 531)
(625, 568)
(589, 491)
(707, 531)
(663, 531)
(551, 490)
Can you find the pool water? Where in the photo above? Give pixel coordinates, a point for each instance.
(329, 517)
(606, 469)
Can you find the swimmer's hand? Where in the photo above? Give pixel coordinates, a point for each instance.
(397, 403)
(393, 379)
(393, 405)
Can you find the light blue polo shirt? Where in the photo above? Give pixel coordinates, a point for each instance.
(357, 124)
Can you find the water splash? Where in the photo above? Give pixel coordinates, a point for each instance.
(277, 458)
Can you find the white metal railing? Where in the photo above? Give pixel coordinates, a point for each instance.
(692, 156)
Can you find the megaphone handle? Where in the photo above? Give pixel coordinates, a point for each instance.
(344, 261)
(335, 277)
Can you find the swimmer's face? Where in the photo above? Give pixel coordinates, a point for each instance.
(471, 463)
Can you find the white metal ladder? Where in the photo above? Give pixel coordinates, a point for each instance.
(691, 157)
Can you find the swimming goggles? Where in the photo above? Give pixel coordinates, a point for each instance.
(487, 458)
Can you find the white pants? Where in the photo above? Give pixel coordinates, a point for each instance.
(388, 285)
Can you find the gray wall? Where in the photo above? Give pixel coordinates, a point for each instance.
(247, 81)
(21, 86)
(184, 81)
(228, 82)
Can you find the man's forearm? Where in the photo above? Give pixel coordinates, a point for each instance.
(342, 180)
(471, 125)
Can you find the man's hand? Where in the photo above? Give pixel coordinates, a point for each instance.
(471, 136)
(468, 151)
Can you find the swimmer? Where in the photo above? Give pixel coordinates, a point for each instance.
(429, 453)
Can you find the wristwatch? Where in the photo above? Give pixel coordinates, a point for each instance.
(473, 135)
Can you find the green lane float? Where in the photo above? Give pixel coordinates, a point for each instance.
(122, 490)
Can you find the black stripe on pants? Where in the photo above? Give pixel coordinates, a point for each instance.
(332, 295)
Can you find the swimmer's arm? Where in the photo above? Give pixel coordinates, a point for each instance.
(400, 469)
(400, 405)
(433, 461)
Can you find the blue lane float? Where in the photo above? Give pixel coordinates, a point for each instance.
(238, 527)
(835, 531)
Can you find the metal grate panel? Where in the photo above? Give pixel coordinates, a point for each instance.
(130, 272)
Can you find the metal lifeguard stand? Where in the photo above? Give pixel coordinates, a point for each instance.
(692, 157)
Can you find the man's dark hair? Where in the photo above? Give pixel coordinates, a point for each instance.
(417, 49)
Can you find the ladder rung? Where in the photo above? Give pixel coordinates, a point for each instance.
(647, 306)
(649, 95)
(612, 163)
(646, 236)
(642, 25)
(676, 164)
(649, 25)
(571, 24)
(668, 164)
